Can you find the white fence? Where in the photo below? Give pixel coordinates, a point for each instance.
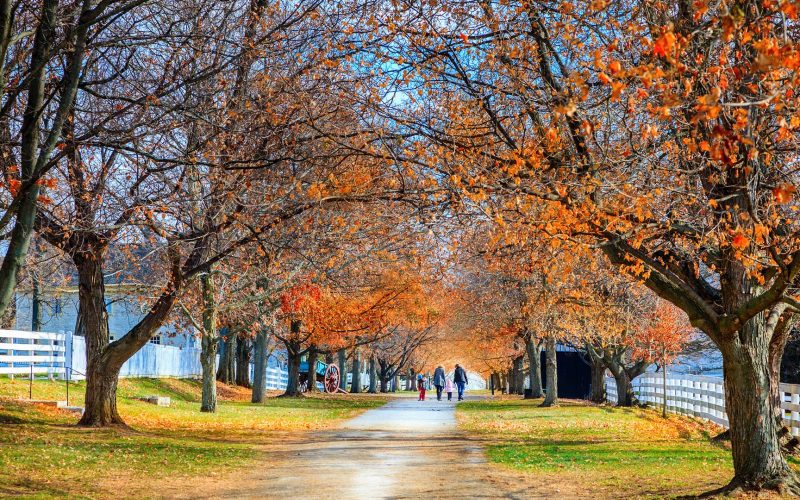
(32, 352)
(701, 396)
(55, 354)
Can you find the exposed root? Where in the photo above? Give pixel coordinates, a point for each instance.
(298, 395)
(785, 485)
(789, 444)
(722, 436)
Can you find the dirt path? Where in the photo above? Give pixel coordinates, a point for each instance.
(405, 449)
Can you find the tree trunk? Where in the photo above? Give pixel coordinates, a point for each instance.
(260, 356)
(625, 394)
(355, 384)
(101, 371)
(36, 305)
(519, 374)
(208, 362)
(100, 406)
(751, 386)
(373, 376)
(9, 321)
(209, 344)
(342, 369)
(293, 381)
(598, 380)
(226, 373)
(395, 382)
(534, 350)
(243, 355)
(551, 399)
(311, 374)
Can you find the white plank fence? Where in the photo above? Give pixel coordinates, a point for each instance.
(56, 354)
(701, 396)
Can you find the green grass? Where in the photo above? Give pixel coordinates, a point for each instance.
(43, 453)
(600, 451)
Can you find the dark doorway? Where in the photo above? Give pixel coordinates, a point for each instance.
(574, 375)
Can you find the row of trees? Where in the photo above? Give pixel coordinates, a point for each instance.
(253, 151)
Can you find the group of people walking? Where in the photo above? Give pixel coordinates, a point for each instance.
(444, 384)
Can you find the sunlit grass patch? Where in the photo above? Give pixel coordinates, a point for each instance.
(612, 451)
(43, 453)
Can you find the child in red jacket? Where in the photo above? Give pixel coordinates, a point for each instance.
(421, 386)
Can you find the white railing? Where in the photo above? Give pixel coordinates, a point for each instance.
(32, 352)
(55, 354)
(701, 396)
(277, 379)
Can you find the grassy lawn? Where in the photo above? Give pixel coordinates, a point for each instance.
(43, 454)
(582, 450)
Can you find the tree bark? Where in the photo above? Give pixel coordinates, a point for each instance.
(293, 381)
(551, 398)
(355, 384)
(751, 387)
(260, 356)
(209, 345)
(342, 369)
(598, 380)
(36, 304)
(519, 374)
(243, 355)
(101, 370)
(226, 373)
(373, 376)
(534, 350)
(625, 394)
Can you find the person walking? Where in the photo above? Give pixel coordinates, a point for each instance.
(448, 388)
(438, 381)
(421, 386)
(460, 378)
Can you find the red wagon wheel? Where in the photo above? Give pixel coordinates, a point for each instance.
(331, 380)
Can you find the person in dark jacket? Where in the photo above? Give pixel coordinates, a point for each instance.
(460, 378)
(438, 381)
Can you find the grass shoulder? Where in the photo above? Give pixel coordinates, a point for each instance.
(583, 449)
(43, 453)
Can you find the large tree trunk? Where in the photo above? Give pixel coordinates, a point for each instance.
(209, 343)
(260, 355)
(373, 376)
(293, 382)
(534, 350)
(625, 394)
(342, 369)
(598, 380)
(101, 372)
(9, 321)
(751, 386)
(311, 374)
(243, 355)
(355, 384)
(551, 399)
